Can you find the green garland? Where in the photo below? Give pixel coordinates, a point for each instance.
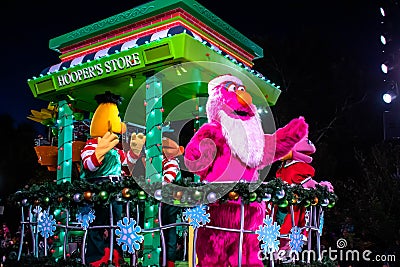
(72, 194)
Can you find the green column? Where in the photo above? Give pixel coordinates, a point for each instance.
(201, 118)
(65, 133)
(153, 166)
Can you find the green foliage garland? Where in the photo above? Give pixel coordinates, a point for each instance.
(64, 195)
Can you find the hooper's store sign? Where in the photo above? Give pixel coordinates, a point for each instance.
(97, 70)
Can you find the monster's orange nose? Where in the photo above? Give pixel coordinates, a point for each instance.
(244, 98)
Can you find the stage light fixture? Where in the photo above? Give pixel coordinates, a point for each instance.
(389, 96)
(382, 11)
(383, 40)
(392, 92)
(384, 68)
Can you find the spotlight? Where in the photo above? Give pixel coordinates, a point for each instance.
(386, 68)
(383, 39)
(388, 97)
(382, 11)
(391, 93)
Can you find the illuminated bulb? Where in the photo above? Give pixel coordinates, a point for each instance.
(382, 11)
(183, 69)
(384, 68)
(388, 97)
(383, 39)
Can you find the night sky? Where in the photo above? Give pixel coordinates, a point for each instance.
(351, 28)
(344, 29)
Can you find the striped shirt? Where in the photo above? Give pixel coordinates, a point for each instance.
(90, 161)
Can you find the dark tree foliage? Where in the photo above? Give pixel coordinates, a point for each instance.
(18, 163)
(339, 99)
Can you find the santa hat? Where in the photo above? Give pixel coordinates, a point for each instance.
(221, 79)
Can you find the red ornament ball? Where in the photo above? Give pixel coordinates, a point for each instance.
(178, 195)
(126, 192)
(233, 195)
(87, 195)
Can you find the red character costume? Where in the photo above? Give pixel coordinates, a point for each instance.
(296, 169)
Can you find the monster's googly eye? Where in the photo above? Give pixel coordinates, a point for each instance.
(231, 87)
(241, 88)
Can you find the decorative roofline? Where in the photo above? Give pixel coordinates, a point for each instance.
(151, 9)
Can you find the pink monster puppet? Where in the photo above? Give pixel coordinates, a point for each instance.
(232, 146)
(296, 169)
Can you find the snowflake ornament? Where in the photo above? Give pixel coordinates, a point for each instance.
(197, 216)
(38, 211)
(321, 223)
(268, 233)
(296, 239)
(307, 217)
(128, 235)
(46, 225)
(85, 219)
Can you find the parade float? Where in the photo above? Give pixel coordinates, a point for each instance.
(157, 57)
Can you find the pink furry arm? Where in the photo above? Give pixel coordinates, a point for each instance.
(328, 185)
(283, 140)
(200, 152)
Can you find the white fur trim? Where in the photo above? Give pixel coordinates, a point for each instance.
(245, 138)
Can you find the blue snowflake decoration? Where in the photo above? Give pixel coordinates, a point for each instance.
(85, 219)
(37, 210)
(307, 217)
(46, 225)
(197, 216)
(268, 233)
(128, 235)
(296, 239)
(321, 223)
